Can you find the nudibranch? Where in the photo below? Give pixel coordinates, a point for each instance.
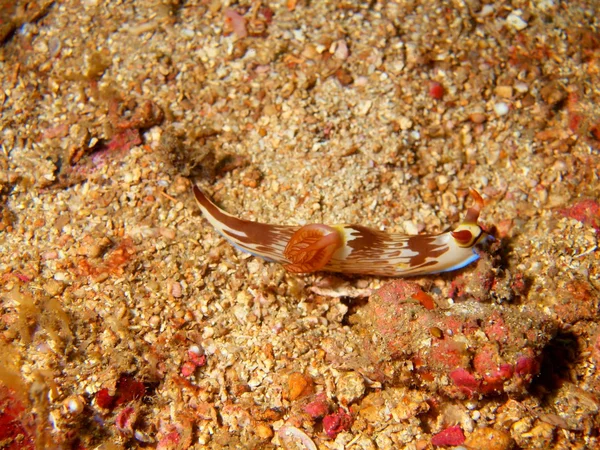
(350, 248)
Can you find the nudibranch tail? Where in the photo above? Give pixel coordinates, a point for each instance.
(259, 239)
(351, 248)
(311, 248)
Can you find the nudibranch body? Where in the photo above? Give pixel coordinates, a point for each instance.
(350, 248)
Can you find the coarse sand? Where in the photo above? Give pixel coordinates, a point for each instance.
(126, 321)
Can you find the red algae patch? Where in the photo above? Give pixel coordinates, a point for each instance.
(13, 432)
(127, 390)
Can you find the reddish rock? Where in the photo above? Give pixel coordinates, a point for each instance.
(299, 385)
(575, 121)
(576, 301)
(169, 441)
(486, 359)
(196, 358)
(104, 400)
(425, 299)
(494, 381)
(447, 353)
(175, 436)
(129, 389)
(495, 329)
(483, 349)
(488, 281)
(398, 291)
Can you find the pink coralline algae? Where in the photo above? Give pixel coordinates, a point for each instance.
(471, 349)
(121, 142)
(318, 407)
(335, 423)
(125, 420)
(585, 211)
(450, 436)
(195, 358)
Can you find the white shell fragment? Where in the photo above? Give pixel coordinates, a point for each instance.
(292, 438)
(515, 20)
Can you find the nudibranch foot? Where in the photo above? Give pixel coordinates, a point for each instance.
(351, 248)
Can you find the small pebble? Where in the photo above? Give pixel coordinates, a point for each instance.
(363, 107)
(49, 255)
(292, 437)
(489, 439)
(187, 33)
(521, 87)
(154, 321)
(477, 117)
(501, 108)
(350, 387)
(298, 385)
(340, 50)
(93, 250)
(74, 405)
(361, 81)
(410, 227)
(167, 233)
(436, 332)
(487, 10)
(176, 290)
(344, 77)
(142, 437)
(405, 123)
(515, 20)
(310, 52)
(53, 287)
(504, 91)
(60, 276)
(187, 369)
(263, 431)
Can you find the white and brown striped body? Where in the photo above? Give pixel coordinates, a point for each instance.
(349, 248)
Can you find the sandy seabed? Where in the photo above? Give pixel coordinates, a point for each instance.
(126, 321)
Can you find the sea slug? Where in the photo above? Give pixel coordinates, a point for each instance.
(350, 248)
